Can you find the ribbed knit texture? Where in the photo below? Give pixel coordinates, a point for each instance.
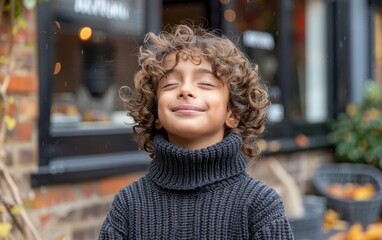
(197, 194)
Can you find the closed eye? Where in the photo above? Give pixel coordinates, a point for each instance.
(207, 84)
(169, 85)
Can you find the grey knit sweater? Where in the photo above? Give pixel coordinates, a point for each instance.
(197, 194)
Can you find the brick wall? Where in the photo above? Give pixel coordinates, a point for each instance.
(76, 210)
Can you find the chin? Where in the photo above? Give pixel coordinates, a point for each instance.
(190, 135)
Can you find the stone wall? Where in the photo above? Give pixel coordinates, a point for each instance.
(76, 210)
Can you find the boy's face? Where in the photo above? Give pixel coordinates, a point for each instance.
(192, 104)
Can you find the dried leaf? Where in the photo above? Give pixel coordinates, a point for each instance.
(16, 210)
(5, 228)
(10, 122)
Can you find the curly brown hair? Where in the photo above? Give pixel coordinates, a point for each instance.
(248, 97)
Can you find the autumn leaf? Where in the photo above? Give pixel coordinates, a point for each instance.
(9, 122)
(16, 210)
(5, 227)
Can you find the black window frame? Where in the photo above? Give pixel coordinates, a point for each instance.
(73, 155)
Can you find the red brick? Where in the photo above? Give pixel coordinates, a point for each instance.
(23, 84)
(20, 36)
(88, 189)
(27, 107)
(46, 197)
(11, 107)
(66, 194)
(24, 131)
(112, 185)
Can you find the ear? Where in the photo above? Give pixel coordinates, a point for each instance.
(158, 124)
(231, 121)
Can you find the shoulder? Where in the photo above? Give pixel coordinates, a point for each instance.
(129, 190)
(262, 200)
(266, 210)
(258, 191)
(116, 223)
(261, 196)
(125, 195)
(120, 203)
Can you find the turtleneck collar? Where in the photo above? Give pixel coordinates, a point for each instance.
(177, 168)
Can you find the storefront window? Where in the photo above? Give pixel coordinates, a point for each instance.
(87, 52)
(264, 25)
(93, 58)
(88, 92)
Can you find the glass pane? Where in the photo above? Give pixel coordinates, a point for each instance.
(257, 21)
(175, 12)
(377, 48)
(309, 81)
(93, 59)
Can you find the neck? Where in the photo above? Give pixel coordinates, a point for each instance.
(194, 144)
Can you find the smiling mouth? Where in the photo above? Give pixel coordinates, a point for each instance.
(187, 108)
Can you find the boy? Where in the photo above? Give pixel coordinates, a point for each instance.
(199, 108)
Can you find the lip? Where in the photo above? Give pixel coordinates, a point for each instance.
(187, 108)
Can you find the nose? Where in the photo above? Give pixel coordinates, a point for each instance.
(186, 90)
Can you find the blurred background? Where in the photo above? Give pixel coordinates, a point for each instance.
(68, 142)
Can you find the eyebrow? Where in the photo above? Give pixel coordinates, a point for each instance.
(197, 70)
(203, 70)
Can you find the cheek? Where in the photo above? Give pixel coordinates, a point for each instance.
(219, 101)
(161, 106)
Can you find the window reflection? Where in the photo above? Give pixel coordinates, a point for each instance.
(377, 48)
(92, 69)
(259, 24)
(309, 91)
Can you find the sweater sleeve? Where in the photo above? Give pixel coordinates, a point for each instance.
(115, 226)
(267, 219)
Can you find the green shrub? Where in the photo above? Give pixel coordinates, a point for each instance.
(357, 134)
